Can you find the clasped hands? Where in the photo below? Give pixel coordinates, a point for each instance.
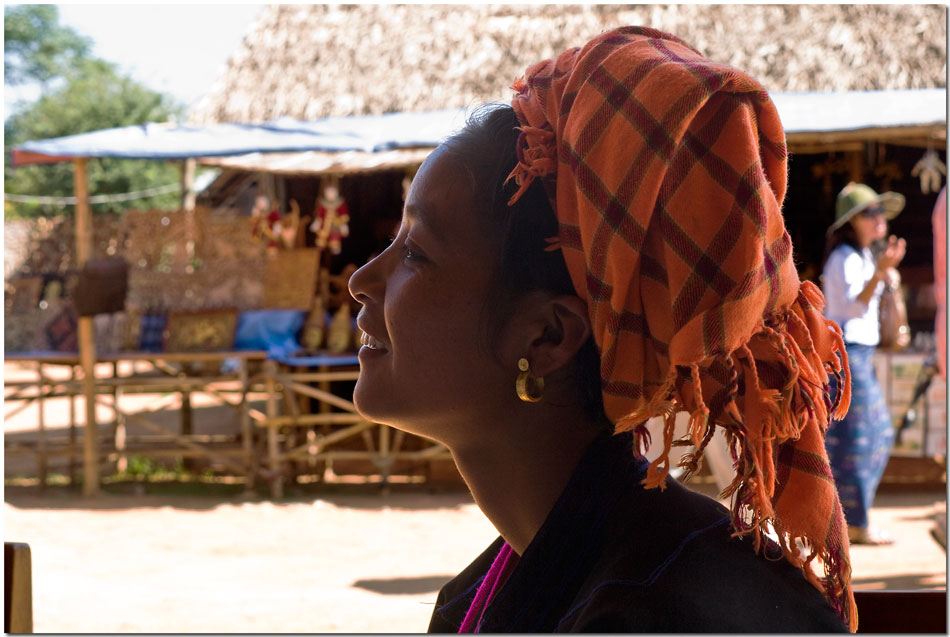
(888, 260)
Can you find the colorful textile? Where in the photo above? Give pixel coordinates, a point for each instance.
(62, 332)
(272, 330)
(498, 573)
(860, 443)
(940, 278)
(667, 172)
(614, 557)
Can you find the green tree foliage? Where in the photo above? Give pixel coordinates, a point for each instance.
(36, 48)
(88, 94)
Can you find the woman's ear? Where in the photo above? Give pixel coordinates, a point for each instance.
(558, 329)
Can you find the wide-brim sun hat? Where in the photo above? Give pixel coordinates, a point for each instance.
(855, 197)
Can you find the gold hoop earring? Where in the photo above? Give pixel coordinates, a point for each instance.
(521, 385)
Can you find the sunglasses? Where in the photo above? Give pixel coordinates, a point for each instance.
(871, 212)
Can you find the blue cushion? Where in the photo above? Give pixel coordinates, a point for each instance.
(152, 332)
(272, 330)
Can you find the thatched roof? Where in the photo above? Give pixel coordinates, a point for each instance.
(310, 61)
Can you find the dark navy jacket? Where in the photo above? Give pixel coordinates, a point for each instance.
(615, 557)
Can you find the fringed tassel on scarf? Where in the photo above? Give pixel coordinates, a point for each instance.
(537, 157)
(767, 427)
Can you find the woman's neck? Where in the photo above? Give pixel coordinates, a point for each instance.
(516, 481)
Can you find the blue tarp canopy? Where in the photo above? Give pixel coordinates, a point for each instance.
(860, 110)
(370, 133)
(800, 113)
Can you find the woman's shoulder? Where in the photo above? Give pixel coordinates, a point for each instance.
(672, 563)
(711, 582)
(844, 252)
(846, 261)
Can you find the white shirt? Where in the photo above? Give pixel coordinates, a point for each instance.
(846, 273)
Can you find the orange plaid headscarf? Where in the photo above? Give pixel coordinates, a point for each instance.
(667, 173)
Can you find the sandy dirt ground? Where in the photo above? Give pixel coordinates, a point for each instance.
(153, 564)
(342, 559)
(360, 562)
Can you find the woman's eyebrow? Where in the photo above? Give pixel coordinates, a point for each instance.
(420, 215)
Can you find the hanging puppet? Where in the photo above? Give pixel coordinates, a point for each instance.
(288, 228)
(929, 167)
(263, 221)
(331, 218)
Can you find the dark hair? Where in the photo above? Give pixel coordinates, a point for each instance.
(843, 235)
(487, 147)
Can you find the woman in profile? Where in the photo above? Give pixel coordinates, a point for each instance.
(608, 249)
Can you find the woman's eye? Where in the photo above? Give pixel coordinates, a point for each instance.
(412, 253)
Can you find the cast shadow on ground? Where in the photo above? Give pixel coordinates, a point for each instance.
(404, 585)
(192, 496)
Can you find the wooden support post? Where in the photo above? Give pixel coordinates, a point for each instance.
(247, 432)
(856, 166)
(122, 460)
(280, 193)
(187, 428)
(43, 466)
(386, 458)
(71, 395)
(277, 479)
(87, 341)
(324, 385)
(188, 194)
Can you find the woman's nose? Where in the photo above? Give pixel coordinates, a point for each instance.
(366, 284)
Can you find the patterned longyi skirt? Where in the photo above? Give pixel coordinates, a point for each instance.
(860, 444)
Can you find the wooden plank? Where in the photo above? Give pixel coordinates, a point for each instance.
(236, 452)
(322, 442)
(304, 420)
(314, 377)
(178, 357)
(184, 442)
(65, 358)
(17, 588)
(319, 394)
(197, 438)
(895, 134)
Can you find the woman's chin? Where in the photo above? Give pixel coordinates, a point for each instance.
(371, 405)
(380, 414)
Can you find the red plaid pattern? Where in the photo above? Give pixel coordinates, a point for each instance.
(668, 175)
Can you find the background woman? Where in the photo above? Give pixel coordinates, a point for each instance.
(853, 280)
(608, 249)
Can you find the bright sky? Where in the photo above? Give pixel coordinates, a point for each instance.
(181, 49)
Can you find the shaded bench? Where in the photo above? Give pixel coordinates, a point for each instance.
(902, 611)
(17, 588)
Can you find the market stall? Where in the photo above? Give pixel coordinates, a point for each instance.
(316, 199)
(184, 143)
